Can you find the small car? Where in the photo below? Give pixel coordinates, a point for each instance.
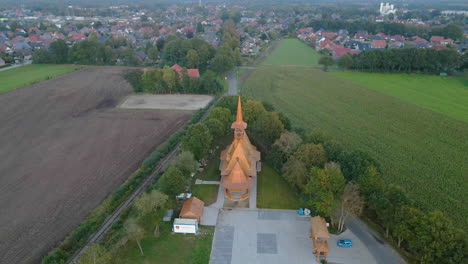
(345, 243)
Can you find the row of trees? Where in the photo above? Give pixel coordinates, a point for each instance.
(167, 80)
(405, 60)
(265, 126)
(88, 52)
(190, 53)
(337, 184)
(145, 216)
(452, 31)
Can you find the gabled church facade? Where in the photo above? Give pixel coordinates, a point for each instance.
(239, 162)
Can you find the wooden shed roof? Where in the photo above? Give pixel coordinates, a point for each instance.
(192, 208)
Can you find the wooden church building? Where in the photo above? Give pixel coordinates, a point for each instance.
(240, 162)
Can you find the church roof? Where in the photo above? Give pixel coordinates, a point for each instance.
(239, 123)
(237, 179)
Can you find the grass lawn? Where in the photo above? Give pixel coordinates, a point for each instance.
(292, 52)
(447, 95)
(169, 248)
(205, 192)
(274, 192)
(420, 149)
(211, 171)
(30, 74)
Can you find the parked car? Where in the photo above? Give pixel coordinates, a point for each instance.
(345, 243)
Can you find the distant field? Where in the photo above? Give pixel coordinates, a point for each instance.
(447, 95)
(30, 74)
(292, 52)
(422, 150)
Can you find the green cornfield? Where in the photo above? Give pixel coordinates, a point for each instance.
(423, 150)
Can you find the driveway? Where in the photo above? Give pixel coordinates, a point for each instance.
(245, 236)
(380, 249)
(232, 82)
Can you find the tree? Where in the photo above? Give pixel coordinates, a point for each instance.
(267, 128)
(95, 254)
(223, 115)
(42, 56)
(172, 181)
(193, 59)
(370, 182)
(283, 118)
(198, 140)
(129, 58)
(200, 28)
(252, 110)
(350, 204)
(135, 80)
(288, 142)
(224, 60)
(387, 205)
(153, 53)
(436, 240)
(355, 163)
(318, 136)
(313, 155)
(295, 173)
(148, 205)
(59, 50)
(134, 232)
(345, 62)
(216, 128)
(324, 188)
(186, 162)
(326, 61)
(170, 78)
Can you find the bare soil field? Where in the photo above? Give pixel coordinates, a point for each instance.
(64, 147)
(167, 101)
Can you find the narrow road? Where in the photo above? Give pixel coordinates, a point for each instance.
(378, 247)
(14, 66)
(232, 82)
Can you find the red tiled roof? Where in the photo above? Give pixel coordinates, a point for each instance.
(379, 44)
(338, 51)
(193, 73)
(436, 39)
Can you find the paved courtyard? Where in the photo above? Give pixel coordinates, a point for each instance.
(167, 101)
(247, 236)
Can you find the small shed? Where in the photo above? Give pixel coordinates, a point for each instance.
(319, 234)
(192, 209)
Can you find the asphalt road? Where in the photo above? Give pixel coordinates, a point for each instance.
(378, 247)
(232, 83)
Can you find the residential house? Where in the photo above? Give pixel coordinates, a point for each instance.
(396, 45)
(379, 44)
(361, 36)
(435, 40)
(2, 62)
(337, 52)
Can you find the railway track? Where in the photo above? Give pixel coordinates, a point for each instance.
(96, 237)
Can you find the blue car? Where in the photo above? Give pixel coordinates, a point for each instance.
(345, 243)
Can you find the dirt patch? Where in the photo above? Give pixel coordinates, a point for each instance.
(65, 148)
(167, 101)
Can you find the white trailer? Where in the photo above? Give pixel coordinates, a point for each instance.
(185, 226)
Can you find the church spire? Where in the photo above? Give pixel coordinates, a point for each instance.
(239, 111)
(239, 124)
